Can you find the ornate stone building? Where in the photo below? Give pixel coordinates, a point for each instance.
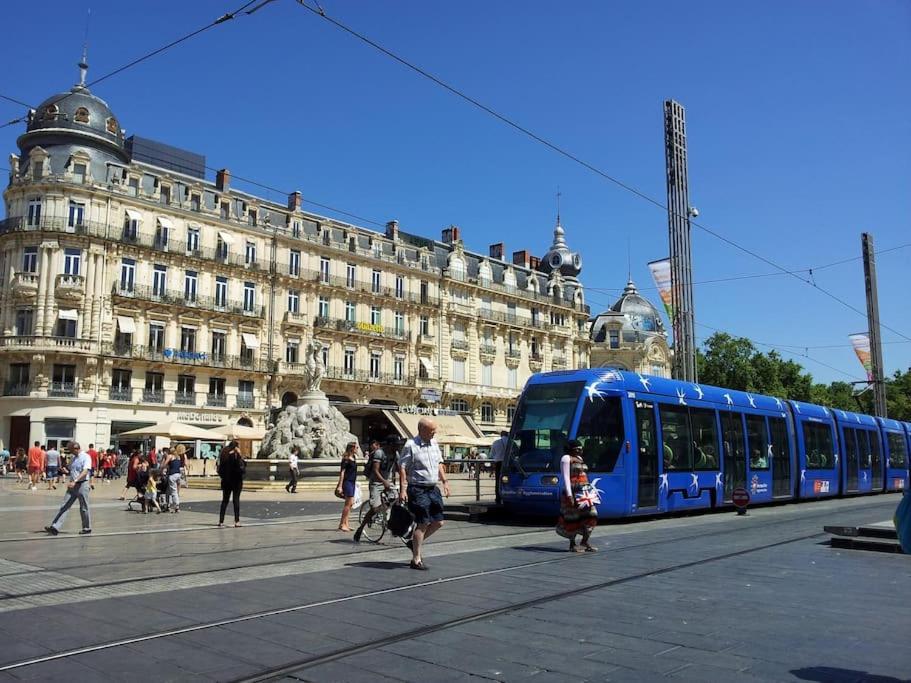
(630, 335)
(136, 290)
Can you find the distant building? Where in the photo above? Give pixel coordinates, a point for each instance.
(631, 336)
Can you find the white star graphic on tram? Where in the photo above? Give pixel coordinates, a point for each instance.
(662, 483)
(645, 382)
(836, 459)
(592, 390)
(844, 415)
(863, 476)
(803, 477)
(825, 411)
(727, 397)
(778, 403)
(695, 483)
(769, 453)
(719, 480)
(857, 417)
(698, 391)
(797, 407)
(681, 397)
(750, 399)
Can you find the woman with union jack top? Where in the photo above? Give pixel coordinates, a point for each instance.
(578, 514)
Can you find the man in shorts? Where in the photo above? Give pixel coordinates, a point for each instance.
(52, 467)
(35, 465)
(421, 468)
(379, 474)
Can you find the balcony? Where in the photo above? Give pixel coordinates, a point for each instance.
(216, 400)
(16, 389)
(488, 350)
(245, 400)
(179, 357)
(152, 396)
(514, 354)
(558, 363)
(35, 343)
(24, 286)
(120, 394)
(62, 390)
(295, 318)
(179, 298)
(459, 344)
(362, 376)
(427, 340)
(360, 328)
(185, 398)
(69, 287)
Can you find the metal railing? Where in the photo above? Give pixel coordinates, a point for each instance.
(363, 328)
(48, 342)
(16, 389)
(185, 398)
(152, 396)
(216, 400)
(62, 390)
(460, 344)
(179, 298)
(120, 394)
(245, 400)
(178, 357)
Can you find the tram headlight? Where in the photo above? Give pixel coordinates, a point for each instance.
(504, 479)
(549, 481)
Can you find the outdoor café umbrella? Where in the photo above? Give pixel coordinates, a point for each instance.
(238, 432)
(176, 431)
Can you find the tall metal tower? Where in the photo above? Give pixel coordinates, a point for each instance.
(678, 224)
(876, 345)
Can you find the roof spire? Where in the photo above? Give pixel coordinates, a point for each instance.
(83, 64)
(559, 194)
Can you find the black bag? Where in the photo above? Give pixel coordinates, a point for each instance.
(401, 519)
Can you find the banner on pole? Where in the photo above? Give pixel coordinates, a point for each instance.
(661, 274)
(861, 344)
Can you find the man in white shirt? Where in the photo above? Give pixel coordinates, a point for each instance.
(497, 454)
(420, 469)
(76, 489)
(291, 486)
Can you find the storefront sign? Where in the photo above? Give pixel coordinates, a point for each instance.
(369, 327)
(193, 418)
(177, 354)
(431, 395)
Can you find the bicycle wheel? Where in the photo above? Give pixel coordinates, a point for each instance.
(377, 527)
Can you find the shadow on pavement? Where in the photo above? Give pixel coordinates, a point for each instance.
(831, 673)
(379, 565)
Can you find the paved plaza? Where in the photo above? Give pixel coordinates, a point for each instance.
(710, 597)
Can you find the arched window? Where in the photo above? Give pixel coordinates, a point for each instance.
(81, 115)
(510, 412)
(459, 404)
(50, 112)
(486, 412)
(112, 126)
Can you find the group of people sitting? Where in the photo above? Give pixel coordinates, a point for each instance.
(157, 478)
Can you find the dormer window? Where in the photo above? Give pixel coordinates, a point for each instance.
(112, 126)
(51, 112)
(81, 115)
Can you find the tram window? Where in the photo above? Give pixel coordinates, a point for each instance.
(758, 440)
(898, 456)
(705, 439)
(781, 455)
(875, 451)
(817, 442)
(601, 433)
(675, 432)
(864, 454)
(541, 426)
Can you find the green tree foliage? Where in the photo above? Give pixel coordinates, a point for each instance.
(734, 362)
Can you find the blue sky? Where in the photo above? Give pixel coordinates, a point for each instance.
(797, 114)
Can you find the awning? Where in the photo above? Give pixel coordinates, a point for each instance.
(126, 325)
(451, 429)
(227, 238)
(134, 215)
(427, 364)
(165, 222)
(250, 340)
(68, 314)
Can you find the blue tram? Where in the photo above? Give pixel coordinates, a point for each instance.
(657, 445)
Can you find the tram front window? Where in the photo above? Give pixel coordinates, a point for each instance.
(541, 426)
(601, 433)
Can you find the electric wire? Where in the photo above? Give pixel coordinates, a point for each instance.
(578, 160)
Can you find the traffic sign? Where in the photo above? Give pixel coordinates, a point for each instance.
(740, 497)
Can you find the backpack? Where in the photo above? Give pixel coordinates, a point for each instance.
(401, 520)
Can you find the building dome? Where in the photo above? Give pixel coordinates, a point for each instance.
(560, 258)
(641, 314)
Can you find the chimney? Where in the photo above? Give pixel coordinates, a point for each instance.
(294, 201)
(534, 262)
(520, 258)
(497, 250)
(392, 230)
(223, 180)
(451, 235)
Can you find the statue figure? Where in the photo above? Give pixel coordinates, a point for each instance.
(313, 366)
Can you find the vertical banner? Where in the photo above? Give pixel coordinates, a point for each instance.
(661, 274)
(861, 344)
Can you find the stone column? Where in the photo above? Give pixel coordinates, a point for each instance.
(44, 271)
(171, 338)
(87, 331)
(98, 294)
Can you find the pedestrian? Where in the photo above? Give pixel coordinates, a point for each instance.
(231, 468)
(35, 466)
(132, 468)
(380, 467)
(145, 488)
(21, 465)
(94, 471)
(578, 514)
(174, 466)
(347, 483)
(77, 488)
(421, 468)
(4, 460)
(498, 454)
(52, 467)
(293, 472)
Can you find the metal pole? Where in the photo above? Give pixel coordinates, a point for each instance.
(876, 347)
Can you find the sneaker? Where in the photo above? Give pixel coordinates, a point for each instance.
(51, 530)
(85, 531)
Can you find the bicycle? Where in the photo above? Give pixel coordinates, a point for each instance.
(376, 528)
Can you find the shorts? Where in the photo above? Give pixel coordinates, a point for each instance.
(376, 494)
(348, 488)
(150, 493)
(426, 503)
(52, 471)
(34, 470)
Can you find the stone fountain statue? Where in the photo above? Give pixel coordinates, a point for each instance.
(318, 429)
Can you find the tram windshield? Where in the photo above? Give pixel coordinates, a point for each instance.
(897, 455)
(541, 426)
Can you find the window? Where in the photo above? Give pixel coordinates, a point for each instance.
(733, 452)
(535, 317)
(486, 412)
(348, 367)
(71, 261)
(120, 380)
(186, 390)
(131, 226)
(614, 339)
(324, 269)
(162, 236)
(219, 345)
(127, 274)
(123, 342)
(487, 374)
(376, 316)
(156, 337)
(375, 278)
(675, 433)
(510, 312)
(30, 260)
(65, 328)
(294, 263)
(292, 351)
(34, 212)
(512, 378)
(705, 439)
(325, 353)
(224, 211)
(250, 253)
(190, 282)
(458, 370)
(245, 393)
(780, 448)
(294, 301)
(512, 344)
(249, 297)
(25, 318)
(295, 228)
(534, 348)
(350, 275)
(349, 311)
(64, 380)
(81, 115)
(188, 339)
(399, 323)
(458, 332)
(757, 442)
(165, 195)
(459, 404)
(425, 325)
(423, 373)
(216, 386)
(195, 202)
(510, 412)
(79, 172)
(817, 440)
(154, 382)
(192, 240)
(221, 291)
(898, 455)
(322, 307)
(399, 287)
(398, 368)
(375, 360)
(159, 280)
(252, 217)
(601, 433)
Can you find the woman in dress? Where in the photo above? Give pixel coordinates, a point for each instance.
(578, 514)
(347, 483)
(231, 468)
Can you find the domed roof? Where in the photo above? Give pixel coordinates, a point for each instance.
(560, 257)
(641, 314)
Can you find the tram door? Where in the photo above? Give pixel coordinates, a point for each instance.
(648, 455)
(850, 460)
(876, 460)
(781, 457)
(735, 464)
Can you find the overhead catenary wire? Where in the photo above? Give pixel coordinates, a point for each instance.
(578, 160)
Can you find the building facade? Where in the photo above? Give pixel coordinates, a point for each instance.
(136, 290)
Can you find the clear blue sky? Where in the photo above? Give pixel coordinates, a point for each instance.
(798, 123)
